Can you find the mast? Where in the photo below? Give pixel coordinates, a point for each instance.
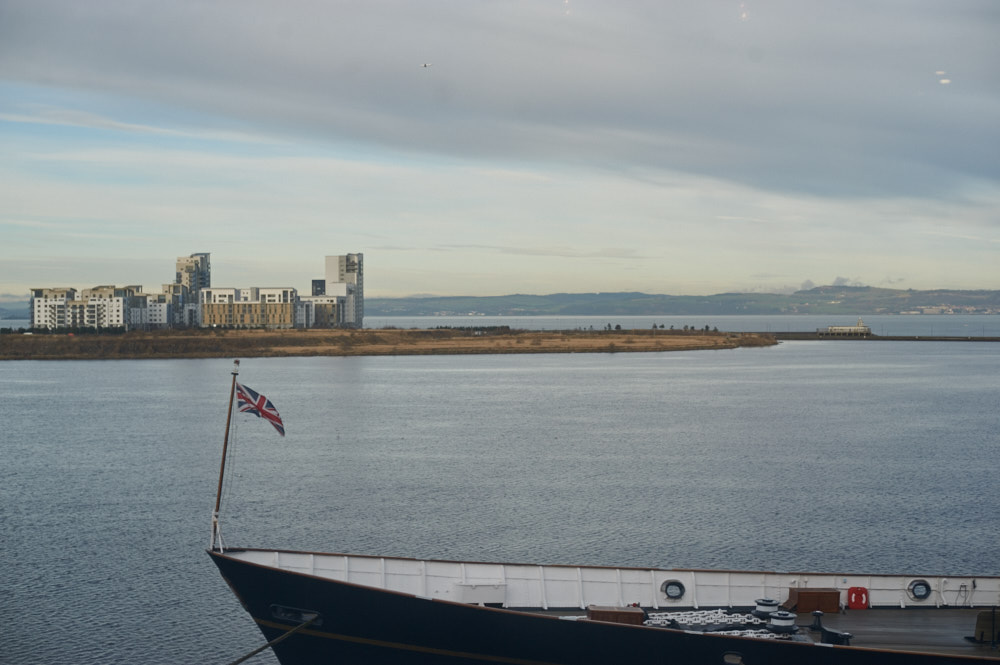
(216, 534)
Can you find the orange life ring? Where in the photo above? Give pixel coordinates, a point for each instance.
(857, 598)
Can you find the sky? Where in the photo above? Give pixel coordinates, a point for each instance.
(549, 146)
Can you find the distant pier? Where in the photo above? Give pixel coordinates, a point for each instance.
(817, 335)
(861, 332)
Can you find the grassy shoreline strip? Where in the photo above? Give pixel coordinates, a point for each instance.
(291, 343)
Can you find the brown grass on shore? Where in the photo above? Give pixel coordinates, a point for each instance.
(216, 343)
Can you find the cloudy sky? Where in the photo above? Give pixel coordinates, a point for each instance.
(551, 145)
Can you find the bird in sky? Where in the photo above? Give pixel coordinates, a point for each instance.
(427, 64)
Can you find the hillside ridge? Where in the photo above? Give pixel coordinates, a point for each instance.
(841, 300)
(847, 300)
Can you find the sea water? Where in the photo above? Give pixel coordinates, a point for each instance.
(825, 456)
(899, 325)
(886, 325)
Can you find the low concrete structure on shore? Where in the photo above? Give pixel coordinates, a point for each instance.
(859, 330)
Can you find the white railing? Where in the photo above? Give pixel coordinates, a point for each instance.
(526, 586)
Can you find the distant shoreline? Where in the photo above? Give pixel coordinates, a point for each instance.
(831, 300)
(289, 343)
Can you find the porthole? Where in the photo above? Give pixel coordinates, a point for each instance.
(919, 589)
(672, 589)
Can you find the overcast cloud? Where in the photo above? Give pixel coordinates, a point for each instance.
(557, 145)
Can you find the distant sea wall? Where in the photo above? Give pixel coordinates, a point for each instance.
(881, 338)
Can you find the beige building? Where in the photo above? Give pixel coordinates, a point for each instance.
(248, 308)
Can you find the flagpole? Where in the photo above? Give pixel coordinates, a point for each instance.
(216, 536)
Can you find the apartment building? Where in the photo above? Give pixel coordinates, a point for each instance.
(49, 307)
(319, 312)
(248, 308)
(154, 310)
(98, 307)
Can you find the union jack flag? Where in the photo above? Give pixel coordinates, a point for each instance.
(251, 401)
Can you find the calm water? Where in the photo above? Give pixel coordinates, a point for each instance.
(972, 325)
(809, 455)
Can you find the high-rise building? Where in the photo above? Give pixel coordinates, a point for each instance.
(345, 276)
(194, 272)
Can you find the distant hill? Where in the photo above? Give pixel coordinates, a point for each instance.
(846, 300)
(15, 310)
(841, 300)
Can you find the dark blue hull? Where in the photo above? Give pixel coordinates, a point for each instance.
(365, 625)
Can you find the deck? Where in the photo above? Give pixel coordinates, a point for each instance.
(935, 630)
(941, 631)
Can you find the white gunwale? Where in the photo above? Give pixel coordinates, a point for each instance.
(514, 585)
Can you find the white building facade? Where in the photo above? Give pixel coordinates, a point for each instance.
(48, 307)
(97, 307)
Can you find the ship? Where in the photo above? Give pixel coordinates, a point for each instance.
(315, 607)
